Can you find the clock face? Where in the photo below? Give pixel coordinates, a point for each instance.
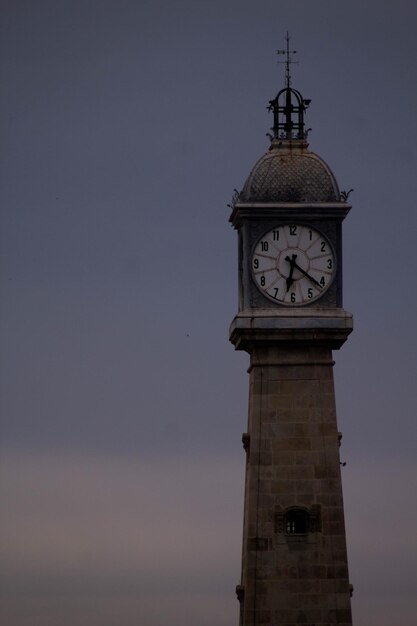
(293, 264)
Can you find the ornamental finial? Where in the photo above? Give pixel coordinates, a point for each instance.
(288, 107)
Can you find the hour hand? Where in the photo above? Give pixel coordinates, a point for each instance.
(293, 264)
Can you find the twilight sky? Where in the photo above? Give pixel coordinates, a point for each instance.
(126, 125)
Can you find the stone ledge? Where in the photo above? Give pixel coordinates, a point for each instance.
(289, 210)
(326, 327)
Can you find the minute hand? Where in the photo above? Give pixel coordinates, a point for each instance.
(313, 280)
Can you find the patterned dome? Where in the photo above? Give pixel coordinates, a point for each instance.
(289, 172)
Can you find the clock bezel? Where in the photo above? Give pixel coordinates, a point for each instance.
(321, 294)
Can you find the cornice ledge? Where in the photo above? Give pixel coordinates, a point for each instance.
(326, 327)
(299, 210)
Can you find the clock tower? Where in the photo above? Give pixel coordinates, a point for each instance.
(289, 217)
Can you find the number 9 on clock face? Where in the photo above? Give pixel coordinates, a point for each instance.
(293, 264)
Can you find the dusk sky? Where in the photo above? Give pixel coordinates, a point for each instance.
(126, 125)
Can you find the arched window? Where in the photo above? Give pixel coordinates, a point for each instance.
(296, 522)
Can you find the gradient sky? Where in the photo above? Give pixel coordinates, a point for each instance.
(126, 125)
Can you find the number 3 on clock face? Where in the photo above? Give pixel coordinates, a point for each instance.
(293, 264)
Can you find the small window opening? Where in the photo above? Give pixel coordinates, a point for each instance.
(296, 522)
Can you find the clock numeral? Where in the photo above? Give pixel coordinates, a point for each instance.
(323, 246)
(311, 234)
(322, 281)
(292, 296)
(310, 293)
(276, 292)
(263, 281)
(329, 264)
(276, 235)
(293, 230)
(264, 246)
(255, 263)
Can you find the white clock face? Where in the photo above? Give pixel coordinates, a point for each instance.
(293, 264)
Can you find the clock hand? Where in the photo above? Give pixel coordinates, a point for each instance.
(292, 263)
(313, 280)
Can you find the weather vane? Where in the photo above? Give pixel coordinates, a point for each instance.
(288, 61)
(289, 105)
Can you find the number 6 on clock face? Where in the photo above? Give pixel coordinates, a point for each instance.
(293, 264)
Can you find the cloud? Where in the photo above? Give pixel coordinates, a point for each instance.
(146, 539)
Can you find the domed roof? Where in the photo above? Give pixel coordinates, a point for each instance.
(289, 172)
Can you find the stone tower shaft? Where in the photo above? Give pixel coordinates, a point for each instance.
(294, 558)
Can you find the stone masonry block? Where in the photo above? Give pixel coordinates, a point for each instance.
(279, 401)
(291, 443)
(306, 457)
(297, 471)
(282, 487)
(283, 457)
(326, 471)
(333, 514)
